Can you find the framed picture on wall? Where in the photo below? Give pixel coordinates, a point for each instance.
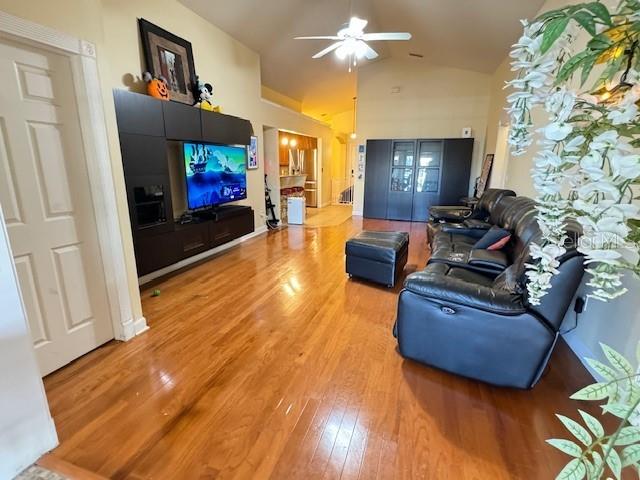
(252, 154)
(169, 56)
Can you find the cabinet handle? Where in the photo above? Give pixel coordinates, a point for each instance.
(192, 246)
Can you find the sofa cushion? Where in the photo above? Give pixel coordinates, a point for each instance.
(492, 237)
(382, 247)
(510, 280)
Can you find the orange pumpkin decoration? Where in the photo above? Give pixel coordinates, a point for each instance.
(156, 87)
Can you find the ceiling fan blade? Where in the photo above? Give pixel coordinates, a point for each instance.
(386, 36)
(369, 52)
(324, 37)
(357, 24)
(330, 48)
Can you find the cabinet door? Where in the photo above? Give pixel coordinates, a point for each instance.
(155, 252)
(228, 229)
(428, 174)
(192, 239)
(376, 178)
(182, 122)
(146, 172)
(457, 169)
(138, 114)
(402, 180)
(227, 129)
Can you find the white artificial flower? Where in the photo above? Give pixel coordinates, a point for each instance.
(624, 115)
(605, 140)
(626, 210)
(625, 166)
(557, 131)
(603, 186)
(609, 257)
(560, 104)
(535, 79)
(592, 165)
(548, 158)
(612, 230)
(574, 144)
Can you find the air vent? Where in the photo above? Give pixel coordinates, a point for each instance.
(417, 55)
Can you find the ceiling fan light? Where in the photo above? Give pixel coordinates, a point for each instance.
(342, 51)
(360, 49)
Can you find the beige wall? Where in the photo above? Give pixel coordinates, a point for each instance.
(433, 102)
(277, 97)
(232, 68)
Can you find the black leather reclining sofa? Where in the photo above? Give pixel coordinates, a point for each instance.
(465, 217)
(467, 312)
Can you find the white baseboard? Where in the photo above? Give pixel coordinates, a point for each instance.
(196, 258)
(581, 350)
(140, 326)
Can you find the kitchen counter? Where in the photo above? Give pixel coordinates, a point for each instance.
(292, 181)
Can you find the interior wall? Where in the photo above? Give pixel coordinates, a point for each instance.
(26, 427)
(407, 98)
(616, 322)
(276, 97)
(272, 165)
(232, 68)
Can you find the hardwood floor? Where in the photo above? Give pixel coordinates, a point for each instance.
(268, 362)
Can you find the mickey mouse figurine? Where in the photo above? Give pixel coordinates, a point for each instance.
(203, 92)
(156, 87)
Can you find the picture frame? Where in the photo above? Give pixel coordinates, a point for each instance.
(252, 154)
(171, 57)
(485, 173)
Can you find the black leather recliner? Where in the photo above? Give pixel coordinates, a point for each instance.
(477, 219)
(480, 325)
(453, 243)
(457, 214)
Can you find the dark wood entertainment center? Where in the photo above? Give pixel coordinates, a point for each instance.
(150, 132)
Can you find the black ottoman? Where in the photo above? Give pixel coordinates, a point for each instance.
(377, 256)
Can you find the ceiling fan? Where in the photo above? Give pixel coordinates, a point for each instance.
(351, 41)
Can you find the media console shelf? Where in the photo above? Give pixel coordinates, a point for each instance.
(148, 128)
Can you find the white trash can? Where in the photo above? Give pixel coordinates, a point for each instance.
(296, 210)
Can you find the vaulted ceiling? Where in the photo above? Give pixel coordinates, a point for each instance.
(467, 34)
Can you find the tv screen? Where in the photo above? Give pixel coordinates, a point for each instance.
(215, 174)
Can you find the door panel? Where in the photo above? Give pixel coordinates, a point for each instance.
(401, 186)
(376, 178)
(44, 190)
(428, 175)
(455, 179)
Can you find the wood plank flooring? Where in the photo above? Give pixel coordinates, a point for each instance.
(268, 362)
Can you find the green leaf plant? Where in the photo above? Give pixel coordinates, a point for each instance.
(595, 453)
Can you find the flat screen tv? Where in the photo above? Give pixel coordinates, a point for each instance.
(215, 174)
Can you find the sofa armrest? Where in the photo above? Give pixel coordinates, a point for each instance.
(444, 288)
(476, 224)
(492, 259)
(463, 229)
(443, 213)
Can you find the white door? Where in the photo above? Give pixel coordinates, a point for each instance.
(44, 192)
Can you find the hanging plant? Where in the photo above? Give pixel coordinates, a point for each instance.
(586, 166)
(586, 163)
